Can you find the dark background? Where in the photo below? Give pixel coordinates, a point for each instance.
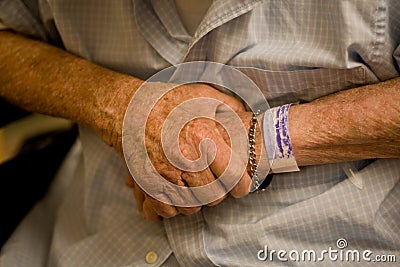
(25, 179)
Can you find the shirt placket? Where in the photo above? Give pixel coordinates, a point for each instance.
(156, 24)
(160, 25)
(219, 13)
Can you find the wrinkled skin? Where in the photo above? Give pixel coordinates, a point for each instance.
(189, 139)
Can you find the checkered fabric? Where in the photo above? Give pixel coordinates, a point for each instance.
(295, 51)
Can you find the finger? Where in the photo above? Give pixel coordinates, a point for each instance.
(139, 196)
(235, 178)
(191, 152)
(217, 201)
(212, 194)
(241, 189)
(189, 211)
(171, 174)
(162, 209)
(224, 133)
(179, 197)
(199, 178)
(237, 168)
(150, 208)
(148, 212)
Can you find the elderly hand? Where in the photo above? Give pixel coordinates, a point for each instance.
(190, 146)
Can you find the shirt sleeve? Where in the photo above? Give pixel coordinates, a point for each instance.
(394, 24)
(31, 18)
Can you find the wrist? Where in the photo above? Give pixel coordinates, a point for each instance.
(278, 140)
(108, 106)
(255, 142)
(258, 165)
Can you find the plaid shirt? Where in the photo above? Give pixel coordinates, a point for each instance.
(294, 51)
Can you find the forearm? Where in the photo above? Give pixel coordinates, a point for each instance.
(41, 78)
(354, 124)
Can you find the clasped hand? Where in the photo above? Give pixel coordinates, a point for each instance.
(188, 141)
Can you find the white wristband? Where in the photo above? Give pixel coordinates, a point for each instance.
(277, 140)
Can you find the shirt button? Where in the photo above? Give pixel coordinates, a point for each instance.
(151, 257)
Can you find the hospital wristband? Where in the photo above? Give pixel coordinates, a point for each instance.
(277, 140)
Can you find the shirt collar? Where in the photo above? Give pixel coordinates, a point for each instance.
(159, 23)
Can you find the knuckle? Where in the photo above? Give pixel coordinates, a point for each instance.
(168, 214)
(189, 211)
(164, 210)
(216, 202)
(238, 192)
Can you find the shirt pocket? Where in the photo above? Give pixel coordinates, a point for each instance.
(304, 85)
